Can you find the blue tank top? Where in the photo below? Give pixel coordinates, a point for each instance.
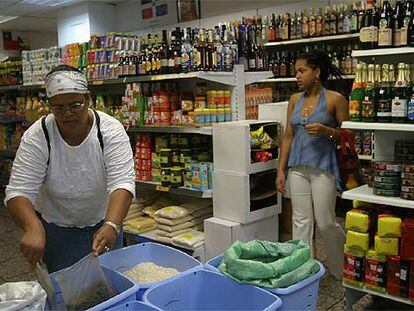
(318, 152)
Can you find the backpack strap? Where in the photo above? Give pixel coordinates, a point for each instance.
(98, 125)
(46, 133)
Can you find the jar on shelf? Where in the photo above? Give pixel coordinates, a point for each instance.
(176, 180)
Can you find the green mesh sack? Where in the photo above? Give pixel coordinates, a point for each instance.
(269, 264)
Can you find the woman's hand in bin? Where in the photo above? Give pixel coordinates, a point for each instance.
(281, 181)
(103, 240)
(32, 243)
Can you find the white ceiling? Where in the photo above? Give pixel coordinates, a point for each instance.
(36, 15)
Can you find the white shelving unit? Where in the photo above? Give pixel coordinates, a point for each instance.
(203, 194)
(207, 130)
(315, 39)
(293, 79)
(392, 55)
(383, 150)
(364, 157)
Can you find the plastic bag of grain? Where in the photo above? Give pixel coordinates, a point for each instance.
(172, 212)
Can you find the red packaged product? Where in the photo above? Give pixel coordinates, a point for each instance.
(411, 280)
(145, 165)
(408, 230)
(393, 275)
(145, 154)
(407, 251)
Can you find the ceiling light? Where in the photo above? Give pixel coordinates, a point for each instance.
(46, 2)
(5, 19)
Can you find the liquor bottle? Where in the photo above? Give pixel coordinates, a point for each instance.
(348, 61)
(148, 62)
(286, 27)
(156, 61)
(278, 29)
(354, 18)
(319, 23)
(186, 50)
(195, 57)
(346, 24)
(410, 31)
(164, 53)
(368, 34)
(385, 27)
(210, 51)
(292, 27)
(171, 47)
(410, 105)
(299, 26)
(142, 58)
(218, 50)
(312, 23)
(305, 24)
(202, 51)
(272, 62)
(369, 104)
(361, 15)
(177, 50)
(227, 51)
(242, 48)
(283, 66)
(326, 22)
(409, 8)
(340, 22)
(259, 54)
(265, 29)
(234, 45)
(333, 23)
(272, 29)
(398, 21)
(384, 96)
(357, 95)
(400, 97)
(251, 49)
(292, 61)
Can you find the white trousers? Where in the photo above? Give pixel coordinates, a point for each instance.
(313, 195)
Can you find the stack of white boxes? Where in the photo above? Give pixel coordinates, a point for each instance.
(234, 216)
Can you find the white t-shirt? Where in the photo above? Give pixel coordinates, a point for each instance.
(74, 190)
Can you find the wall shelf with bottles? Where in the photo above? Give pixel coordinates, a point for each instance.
(313, 40)
(390, 55)
(293, 79)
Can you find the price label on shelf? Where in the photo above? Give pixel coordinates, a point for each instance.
(161, 188)
(98, 82)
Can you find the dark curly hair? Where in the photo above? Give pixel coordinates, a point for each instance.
(320, 59)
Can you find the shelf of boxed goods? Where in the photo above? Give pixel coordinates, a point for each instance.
(228, 78)
(377, 293)
(202, 130)
(293, 79)
(203, 194)
(314, 40)
(378, 126)
(391, 55)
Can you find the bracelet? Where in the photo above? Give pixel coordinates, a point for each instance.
(331, 136)
(116, 227)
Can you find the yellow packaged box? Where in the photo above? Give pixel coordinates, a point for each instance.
(389, 227)
(357, 220)
(357, 240)
(386, 246)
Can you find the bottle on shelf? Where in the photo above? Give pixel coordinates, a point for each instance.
(292, 27)
(340, 20)
(177, 50)
(400, 97)
(156, 61)
(148, 52)
(368, 34)
(319, 23)
(384, 96)
(299, 26)
(218, 50)
(286, 27)
(410, 31)
(357, 95)
(333, 23)
(361, 14)
(354, 17)
(186, 50)
(283, 67)
(171, 46)
(398, 20)
(305, 24)
(326, 22)
(385, 28)
(164, 53)
(312, 23)
(410, 104)
(252, 50)
(195, 56)
(242, 48)
(408, 12)
(370, 101)
(272, 29)
(346, 24)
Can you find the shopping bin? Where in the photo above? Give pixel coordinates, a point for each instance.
(207, 290)
(125, 288)
(126, 258)
(134, 306)
(300, 296)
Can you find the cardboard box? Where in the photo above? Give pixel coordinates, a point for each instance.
(220, 234)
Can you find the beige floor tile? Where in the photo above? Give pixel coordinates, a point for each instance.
(14, 267)
(9, 252)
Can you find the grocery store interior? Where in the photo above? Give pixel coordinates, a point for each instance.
(206, 155)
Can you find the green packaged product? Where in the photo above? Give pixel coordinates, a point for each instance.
(386, 186)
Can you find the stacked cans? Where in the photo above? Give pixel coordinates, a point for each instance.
(407, 182)
(404, 151)
(387, 179)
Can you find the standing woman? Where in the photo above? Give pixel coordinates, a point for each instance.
(308, 154)
(72, 179)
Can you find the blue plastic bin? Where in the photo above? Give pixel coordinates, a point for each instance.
(301, 296)
(207, 290)
(125, 288)
(134, 306)
(126, 258)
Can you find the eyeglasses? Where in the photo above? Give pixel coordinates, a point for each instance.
(75, 107)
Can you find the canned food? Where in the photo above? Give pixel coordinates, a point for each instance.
(384, 173)
(407, 175)
(407, 189)
(407, 182)
(407, 196)
(408, 168)
(387, 193)
(386, 166)
(389, 180)
(386, 186)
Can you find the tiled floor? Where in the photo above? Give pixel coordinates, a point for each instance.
(13, 268)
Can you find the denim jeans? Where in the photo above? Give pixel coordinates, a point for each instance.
(65, 246)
